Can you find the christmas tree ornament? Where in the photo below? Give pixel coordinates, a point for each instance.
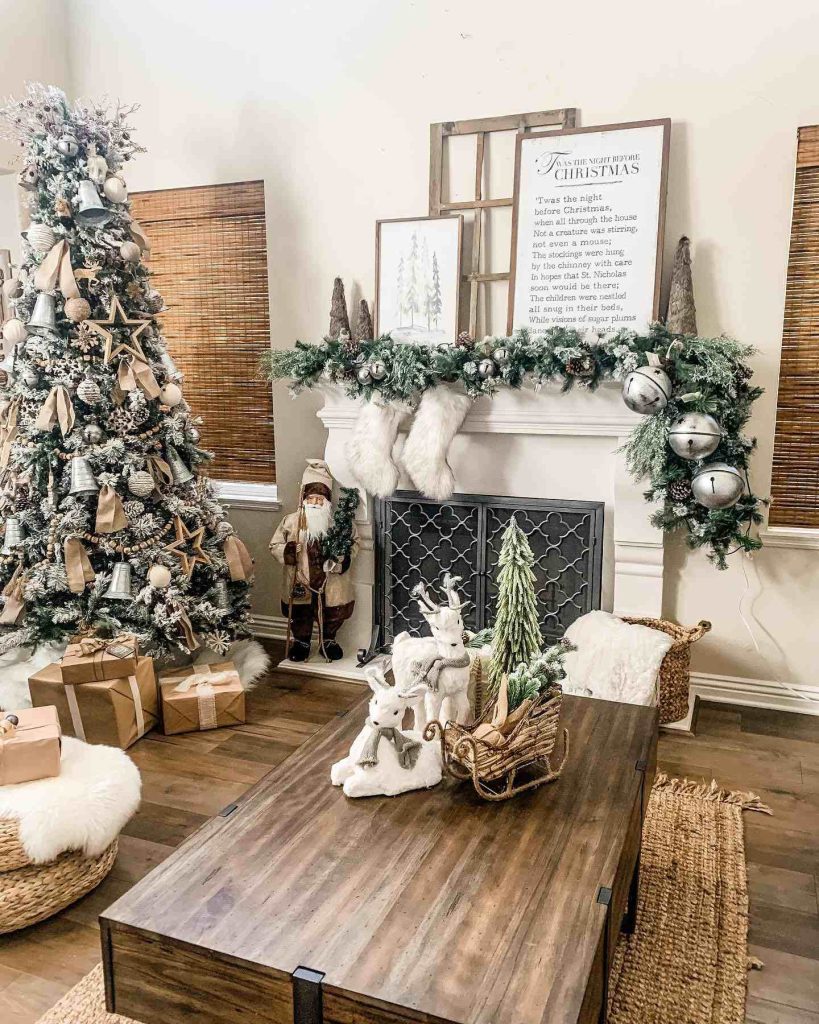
(378, 371)
(68, 146)
(117, 319)
(646, 390)
(120, 587)
(12, 288)
(487, 368)
(141, 483)
(90, 211)
(187, 547)
(77, 310)
(159, 576)
(14, 332)
(92, 433)
(96, 166)
(681, 316)
(115, 189)
(679, 491)
(695, 435)
(62, 208)
(28, 177)
(171, 395)
(717, 485)
(154, 301)
(339, 320)
(130, 252)
(83, 481)
(501, 355)
(41, 238)
(181, 473)
(13, 537)
(89, 391)
(221, 595)
(363, 375)
(44, 316)
(29, 376)
(193, 434)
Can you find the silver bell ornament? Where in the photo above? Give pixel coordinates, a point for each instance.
(695, 435)
(41, 238)
(193, 434)
(181, 473)
(68, 145)
(120, 586)
(717, 485)
(487, 368)
(83, 480)
(90, 211)
(92, 433)
(378, 371)
(29, 376)
(501, 355)
(141, 483)
(44, 317)
(89, 391)
(646, 390)
(363, 375)
(14, 535)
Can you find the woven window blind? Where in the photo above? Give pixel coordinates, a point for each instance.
(795, 482)
(209, 261)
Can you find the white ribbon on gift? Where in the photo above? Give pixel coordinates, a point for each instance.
(198, 679)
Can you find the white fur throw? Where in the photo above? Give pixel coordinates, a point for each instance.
(84, 808)
(614, 660)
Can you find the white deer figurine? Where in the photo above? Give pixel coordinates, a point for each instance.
(384, 759)
(441, 660)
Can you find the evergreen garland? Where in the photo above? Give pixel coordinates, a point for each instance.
(708, 375)
(338, 541)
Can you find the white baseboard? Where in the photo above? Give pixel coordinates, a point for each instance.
(756, 693)
(269, 627)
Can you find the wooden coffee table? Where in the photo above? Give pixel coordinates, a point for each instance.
(300, 905)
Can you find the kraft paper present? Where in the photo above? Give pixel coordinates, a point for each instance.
(92, 659)
(115, 712)
(201, 697)
(33, 752)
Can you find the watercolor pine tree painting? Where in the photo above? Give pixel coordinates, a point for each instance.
(108, 521)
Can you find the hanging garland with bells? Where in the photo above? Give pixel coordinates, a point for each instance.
(694, 394)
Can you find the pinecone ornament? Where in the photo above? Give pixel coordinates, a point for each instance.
(679, 491)
(464, 340)
(580, 366)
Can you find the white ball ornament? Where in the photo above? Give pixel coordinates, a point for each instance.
(77, 310)
(141, 483)
(159, 576)
(14, 331)
(115, 189)
(130, 252)
(88, 391)
(695, 435)
(717, 485)
(646, 390)
(170, 395)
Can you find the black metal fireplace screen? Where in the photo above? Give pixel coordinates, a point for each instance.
(417, 539)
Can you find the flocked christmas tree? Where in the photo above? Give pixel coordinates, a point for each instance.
(108, 523)
(516, 636)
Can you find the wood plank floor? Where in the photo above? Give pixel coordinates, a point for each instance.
(189, 778)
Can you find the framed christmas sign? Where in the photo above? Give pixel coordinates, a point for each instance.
(587, 230)
(417, 278)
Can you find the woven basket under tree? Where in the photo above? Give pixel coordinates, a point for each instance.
(675, 670)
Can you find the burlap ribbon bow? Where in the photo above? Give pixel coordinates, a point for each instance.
(14, 602)
(56, 271)
(77, 565)
(90, 645)
(9, 431)
(160, 471)
(133, 373)
(110, 513)
(141, 239)
(238, 558)
(57, 408)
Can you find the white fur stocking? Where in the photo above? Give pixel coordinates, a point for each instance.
(440, 414)
(369, 449)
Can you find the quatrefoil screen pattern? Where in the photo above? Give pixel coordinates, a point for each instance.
(418, 540)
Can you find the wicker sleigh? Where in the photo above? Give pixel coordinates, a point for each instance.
(675, 669)
(522, 761)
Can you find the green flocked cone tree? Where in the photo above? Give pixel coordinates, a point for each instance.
(108, 524)
(516, 636)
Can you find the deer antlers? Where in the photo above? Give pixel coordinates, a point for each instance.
(426, 603)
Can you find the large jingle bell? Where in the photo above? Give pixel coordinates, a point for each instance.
(68, 145)
(717, 485)
(92, 433)
(363, 375)
(646, 390)
(120, 586)
(44, 316)
(487, 368)
(378, 371)
(695, 435)
(181, 473)
(90, 211)
(83, 481)
(14, 535)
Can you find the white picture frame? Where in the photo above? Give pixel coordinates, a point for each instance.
(418, 279)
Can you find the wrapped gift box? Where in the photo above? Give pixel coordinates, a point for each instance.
(115, 712)
(201, 697)
(93, 659)
(33, 751)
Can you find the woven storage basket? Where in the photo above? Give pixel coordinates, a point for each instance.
(36, 891)
(675, 670)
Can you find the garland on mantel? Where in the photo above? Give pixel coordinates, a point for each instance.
(708, 375)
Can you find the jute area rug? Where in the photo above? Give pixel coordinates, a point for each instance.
(687, 961)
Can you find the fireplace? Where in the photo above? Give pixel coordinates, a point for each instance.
(417, 540)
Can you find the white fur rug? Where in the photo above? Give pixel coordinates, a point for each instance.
(84, 808)
(614, 660)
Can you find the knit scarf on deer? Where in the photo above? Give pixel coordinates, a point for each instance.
(408, 750)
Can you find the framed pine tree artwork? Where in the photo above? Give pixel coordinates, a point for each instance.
(417, 279)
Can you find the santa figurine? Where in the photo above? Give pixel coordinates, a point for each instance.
(315, 590)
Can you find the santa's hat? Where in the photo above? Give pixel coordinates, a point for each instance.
(316, 480)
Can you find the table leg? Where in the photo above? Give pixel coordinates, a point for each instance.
(630, 916)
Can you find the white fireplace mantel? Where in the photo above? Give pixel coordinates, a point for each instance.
(538, 445)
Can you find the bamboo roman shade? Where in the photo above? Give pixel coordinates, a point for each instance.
(209, 261)
(795, 482)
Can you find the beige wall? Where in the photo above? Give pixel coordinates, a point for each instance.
(330, 104)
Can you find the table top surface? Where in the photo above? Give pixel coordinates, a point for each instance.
(436, 900)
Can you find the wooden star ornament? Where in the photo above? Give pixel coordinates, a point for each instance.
(187, 539)
(117, 319)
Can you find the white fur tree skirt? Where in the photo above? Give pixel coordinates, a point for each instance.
(84, 808)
